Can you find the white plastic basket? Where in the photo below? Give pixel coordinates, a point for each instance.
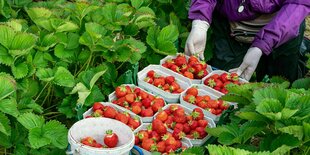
(96, 127)
(113, 97)
(193, 81)
(219, 72)
(203, 90)
(195, 142)
(168, 97)
(185, 142)
(116, 107)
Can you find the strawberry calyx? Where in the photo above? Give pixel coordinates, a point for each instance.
(195, 135)
(192, 99)
(211, 83)
(195, 114)
(109, 132)
(165, 137)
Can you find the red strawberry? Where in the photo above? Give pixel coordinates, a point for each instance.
(137, 90)
(169, 79)
(155, 136)
(109, 112)
(161, 146)
(210, 82)
(151, 73)
(204, 64)
(186, 128)
(201, 131)
(225, 77)
(234, 77)
(201, 74)
(215, 76)
(130, 98)
(218, 83)
(223, 105)
(202, 123)
(192, 91)
(122, 117)
(193, 124)
(136, 109)
(190, 99)
(174, 107)
(143, 94)
(180, 119)
(160, 101)
(179, 143)
(159, 82)
(147, 112)
(156, 106)
(170, 148)
(184, 68)
(134, 123)
(180, 60)
(137, 140)
(97, 106)
(120, 91)
(179, 112)
(97, 113)
(197, 114)
(148, 80)
(197, 67)
(224, 90)
(159, 126)
(142, 134)
(170, 141)
(193, 59)
(110, 139)
(146, 102)
(191, 70)
(162, 115)
(178, 134)
(188, 75)
(195, 134)
(137, 103)
(175, 68)
(178, 126)
(174, 86)
(202, 104)
(149, 145)
(89, 141)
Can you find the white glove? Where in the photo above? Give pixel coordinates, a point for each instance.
(250, 62)
(196, 41)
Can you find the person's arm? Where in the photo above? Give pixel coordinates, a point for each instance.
(283, 27)
(202, 10)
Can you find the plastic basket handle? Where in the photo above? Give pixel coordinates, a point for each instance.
(138, 150)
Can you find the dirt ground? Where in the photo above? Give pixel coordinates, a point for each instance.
(307, 33)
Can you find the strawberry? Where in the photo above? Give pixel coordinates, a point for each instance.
(159, 126)
(197, 114)
(169, 122)
(218, 111)
(134, 123)
(149, 145)
(193, 124)
(89, 116)
(225, 77)
(215, 76)
(137, 103)
(202, 123)
(184, 68)
(97, 145)
(120, 91)
(170, 149)
(193, 59)
(174, 86)
(191, 70)
(204, 64)
(179, 143)
(213, 111)
(180, 90)
(195, 134)
(109, 112)
(97, 106)
(169, 79)
(137, 90)
(88, 141)
(175, 68)
(130, 98)
(189, 118)
(197, 67)
(223, 105)
(224, 90)
(147, 112)
(174, 108)
(159, 82)
(210, 82)
(179, 112)
(186, 128)
(142, 134)
(148, 80)
(234, 77)
(97, 113)
(218, 83)
(136, 109)
(151, 74)
(154, 136)
(110, 139)
(190, 99)
(161, 146)
(192, 91)
(178, 134)
(217, 88)
(160, 101)
(156, 106)
(180, 60)
(188, 75)
(137, 140)
(151, 97)
(201, 131)
(162, 115)
(170, 141)
(122, 117)
(201, 74)
(178, 126)
(206, 98)
(180, 119)
(146, 102)
(143, 94)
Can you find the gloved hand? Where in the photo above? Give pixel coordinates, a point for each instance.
(250, 62)
(196, 41)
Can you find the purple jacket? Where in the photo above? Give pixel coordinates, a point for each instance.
(283, 27)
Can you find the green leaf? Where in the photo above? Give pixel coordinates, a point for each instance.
(5, 57)
(271, 108)
(235, 98)
(131, 29)
(123, 53)
(5, 9)
(287, 113)
(194, 151)
(251, 116)
(137, 3)
(36, 12)
(152, 36)
(294, 130)
(67, 107)
(22, 44)
(95, 30)
(302, 83)
(7, 35)
(31, 120)
(20, 70)
(5, 127)
(8, 85)
(63, 53)
(5, 141)
(37, 138)
(306, 127)
(300, 103)
(67, 26)
(284, 139)
(166, 48)
(250, 129)
(217, 149)
(54, 129)
(9, 106)
(95, 96)
(63, 77)
(96, 77)
(217, 131)
(282, 150)
(45, 74)
(169, 33)
(82, 91)
(20, 149)
(272, 92)
(73, 41)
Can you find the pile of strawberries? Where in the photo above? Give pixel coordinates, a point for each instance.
(193, 68)
(157, 138)
(218, 82)
(216, 107)
(168, 83)
(100, 110)
(191, 126)
(138, 101)
(110, 140)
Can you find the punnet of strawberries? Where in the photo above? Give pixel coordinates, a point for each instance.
(205, 102)
(191, 68)
(183, 125)
(137, 100)
(166, 83)
(157, 138)
(99, 110)
(219, 81)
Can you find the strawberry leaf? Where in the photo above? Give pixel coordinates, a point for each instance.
(63, 77)
(5, 57)
(270, 108)
(194, 150)
(302, 83)
(20, 70)
(9, 106)
(217, 149)
(137, 3)
(63, 53)
(37, 138)
(8, 85)
(31, 120)
(20, 149)
(5, 127)
(272, 92)
(45, 74)
(54, 129)
(169, 33)
(295, 130)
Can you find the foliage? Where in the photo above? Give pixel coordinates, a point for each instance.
(58, 57)
(271, 118)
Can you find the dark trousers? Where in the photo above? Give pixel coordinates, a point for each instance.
(228, 53)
